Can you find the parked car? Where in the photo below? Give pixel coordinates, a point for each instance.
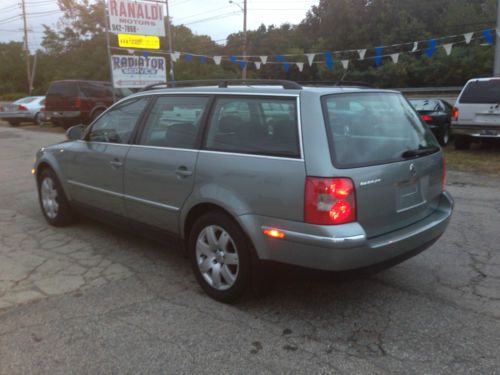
(324, 178)
(476, 114)
(73, 102)
(437, 114)
(28, 109)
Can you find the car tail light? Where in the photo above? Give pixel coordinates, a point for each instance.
(78, 102)
(329, 201)
(443, 177)
(426, 118)
(22, 108)
(454, 113)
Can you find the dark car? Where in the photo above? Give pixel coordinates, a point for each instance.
(437, 114)
(72, 102)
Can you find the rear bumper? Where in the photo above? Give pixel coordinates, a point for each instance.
(344, 247)
(476, 131)
(9, 116)
(63, 115)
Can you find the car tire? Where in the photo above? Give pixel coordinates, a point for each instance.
(38, 119)
(444, 135)
(53, 202)
(462, 142)
(220, 256)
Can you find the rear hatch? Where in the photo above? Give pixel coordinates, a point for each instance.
(479, 103)
(62, 96)
(379, 141)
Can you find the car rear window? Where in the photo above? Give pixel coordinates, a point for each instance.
(95, 90)
(481, 92)
(67, 89)
(372, 128)
(425, 105)
(26, 100)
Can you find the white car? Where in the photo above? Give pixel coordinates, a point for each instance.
(28, 109)
(476, 114)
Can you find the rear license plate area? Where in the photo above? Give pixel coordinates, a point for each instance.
(409, 195)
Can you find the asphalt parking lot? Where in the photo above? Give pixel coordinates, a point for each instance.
(93, 299)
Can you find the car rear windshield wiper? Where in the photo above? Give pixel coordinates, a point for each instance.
(420, 151)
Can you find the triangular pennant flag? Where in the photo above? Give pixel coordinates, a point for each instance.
(447, 47)
(145, 54)
(263, 59)
(361, 53)
(203, 59)
(310, 58)
(130, 51)
(286, 66)
(488, 35)
(468, 37)
(300, 65)
(329, 60)
(188, 57)
(345, 64)
(395, 57)
(257, 64)
(378, 55)
(415, 47)
(175, 56)
(280, 58)
(498, 33)
(217, 60)
(429, 51)
(243, 64)
(233, 59)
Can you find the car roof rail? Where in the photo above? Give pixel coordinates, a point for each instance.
(224, 83)
(337, 83)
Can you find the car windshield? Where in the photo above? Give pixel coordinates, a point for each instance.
(481, 92)
(372, 128)
(424, 104)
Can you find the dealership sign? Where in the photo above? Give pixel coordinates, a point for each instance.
(137, 71)
(136, 17)
(138, 41)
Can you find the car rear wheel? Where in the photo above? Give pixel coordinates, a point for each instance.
(220, 256)
(444, 136)
(53, 201)
(462, 142)
(39, 119)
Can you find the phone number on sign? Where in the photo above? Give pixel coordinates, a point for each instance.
(124, 28)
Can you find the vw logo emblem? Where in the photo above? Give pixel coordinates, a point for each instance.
(413, 170)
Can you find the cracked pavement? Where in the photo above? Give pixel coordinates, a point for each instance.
(94, 299)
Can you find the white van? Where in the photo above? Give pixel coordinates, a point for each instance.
(476, 114)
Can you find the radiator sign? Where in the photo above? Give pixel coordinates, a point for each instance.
(137, 71)
(136, 17)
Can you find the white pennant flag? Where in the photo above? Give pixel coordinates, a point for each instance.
(300, 66)
(361, 53)
(257, 64)
(130, 51)
(217, 60)
(415, 47)
(395, 57)
(447, 47)
(175, 56)
(263, 59)
(468, 37)
(498, 33)
(345, 64)
(310, 58)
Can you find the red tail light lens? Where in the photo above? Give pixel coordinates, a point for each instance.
(329, 201)
(22, 108)
(426, 118)
(454, 113)
(78, 102)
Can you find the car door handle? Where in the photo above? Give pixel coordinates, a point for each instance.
(183, 172)
(116, 163)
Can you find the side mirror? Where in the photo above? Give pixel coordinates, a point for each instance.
(75, 132)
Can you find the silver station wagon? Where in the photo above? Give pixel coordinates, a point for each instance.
(245, 172)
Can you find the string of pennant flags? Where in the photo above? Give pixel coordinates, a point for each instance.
(328, 58)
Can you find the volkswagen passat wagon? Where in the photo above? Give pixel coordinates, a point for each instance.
(324, 178)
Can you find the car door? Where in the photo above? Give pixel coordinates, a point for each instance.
(95, 166)
(159, 168)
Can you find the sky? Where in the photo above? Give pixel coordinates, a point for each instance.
(216, 18)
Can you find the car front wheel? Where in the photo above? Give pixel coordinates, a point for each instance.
(220, 256)
(53, 201)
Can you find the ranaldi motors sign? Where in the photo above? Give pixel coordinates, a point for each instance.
(136, 17)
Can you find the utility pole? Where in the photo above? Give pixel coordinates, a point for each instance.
(170, 50)
(108, 48)
(26, 48)
(245, 43)
(496, 66)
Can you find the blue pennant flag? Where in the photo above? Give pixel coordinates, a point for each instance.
(280, 58)
(146, 54)
(488, 35)
(378, 55)
(203, 59)
(243, 64)
(233, 59)
(431, 48)
(329, 60)
(286, 67)
(188, 57)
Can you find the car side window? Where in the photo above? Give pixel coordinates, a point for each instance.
(262, 126)
(174, 121)
(117, 125)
